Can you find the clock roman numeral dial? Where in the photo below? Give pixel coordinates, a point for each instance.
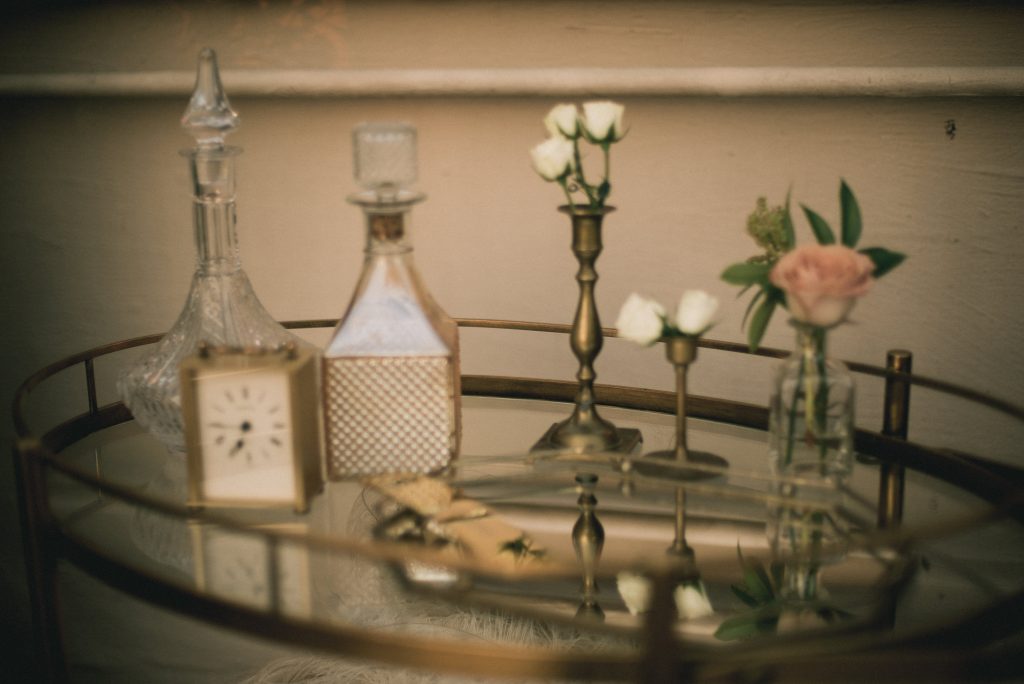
(247, 423)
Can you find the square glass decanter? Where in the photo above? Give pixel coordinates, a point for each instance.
(391, 369)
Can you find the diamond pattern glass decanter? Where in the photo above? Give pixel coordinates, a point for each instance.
(222, 308)
(391, 369)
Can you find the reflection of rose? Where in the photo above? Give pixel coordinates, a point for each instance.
(822, 282)
(691, 597)
(692, 601)
(635, 591)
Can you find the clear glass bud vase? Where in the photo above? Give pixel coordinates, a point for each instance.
(812, 412)
(391, 369)
(222, 308)
(811, 426)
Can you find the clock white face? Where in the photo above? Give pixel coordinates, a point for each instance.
(246, 435)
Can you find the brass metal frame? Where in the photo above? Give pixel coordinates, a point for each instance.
(896, 422)
(663, 658)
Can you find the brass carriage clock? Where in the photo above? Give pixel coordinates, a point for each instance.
(252, 427)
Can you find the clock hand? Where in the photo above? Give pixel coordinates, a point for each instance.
(238, 447)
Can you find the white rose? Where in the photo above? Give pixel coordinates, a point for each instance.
(641, 320)
(602, 121)
(696, 312)
(552, 159)
(635, 591)
(692, 602)
(563, 121)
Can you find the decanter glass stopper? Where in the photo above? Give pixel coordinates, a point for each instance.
(209, 117)
(384, 157)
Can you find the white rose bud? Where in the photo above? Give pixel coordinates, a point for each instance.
(692, 602)
(602, 121)
(641, 320)
(552, 159)
(563, 121)
(696, 312)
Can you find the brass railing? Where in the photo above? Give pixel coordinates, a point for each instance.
(663, 657)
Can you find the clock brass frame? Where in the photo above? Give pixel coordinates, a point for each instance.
(300, 367)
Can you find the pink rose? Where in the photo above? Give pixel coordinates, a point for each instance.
(822, 282)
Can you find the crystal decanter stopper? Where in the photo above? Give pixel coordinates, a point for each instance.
(221, 308)
(391, 368)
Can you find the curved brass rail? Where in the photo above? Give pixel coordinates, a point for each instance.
(39, 452)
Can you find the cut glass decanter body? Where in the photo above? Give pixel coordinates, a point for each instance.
(222, 308)
(391, 369)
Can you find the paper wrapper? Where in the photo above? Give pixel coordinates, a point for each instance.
(474, 529)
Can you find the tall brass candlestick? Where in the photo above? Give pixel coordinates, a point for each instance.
(681, 352)
(585, 429)
(588, 541)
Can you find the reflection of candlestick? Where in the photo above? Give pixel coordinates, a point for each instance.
(681, 352)
(679, 545)
(588, 540)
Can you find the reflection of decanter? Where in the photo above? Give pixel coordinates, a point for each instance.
(221, 307)
(391, 369)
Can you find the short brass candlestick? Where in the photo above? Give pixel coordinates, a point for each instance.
(681, 352)
(585, 430)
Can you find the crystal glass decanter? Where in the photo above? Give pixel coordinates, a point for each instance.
(391, 368)
(221, 308)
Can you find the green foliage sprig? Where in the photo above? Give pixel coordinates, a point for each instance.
(772, 229)
(761, 592)
(521, 547)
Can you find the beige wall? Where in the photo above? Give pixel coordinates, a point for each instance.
(95, 215)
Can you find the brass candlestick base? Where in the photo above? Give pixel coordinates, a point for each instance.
(560, 438)
(695, 465)
(585, 429)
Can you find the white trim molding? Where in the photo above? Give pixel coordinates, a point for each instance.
(660, 82)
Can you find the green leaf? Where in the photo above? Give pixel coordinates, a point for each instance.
(761, 621)
(746, 273)
(744, 596)
(764, 584)
(789, 233)
(753, 301)
(851, 215)
(740, 627)
(883, 259)
(603, 191)
(822, 232)
(759, 322)
(755, 580)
